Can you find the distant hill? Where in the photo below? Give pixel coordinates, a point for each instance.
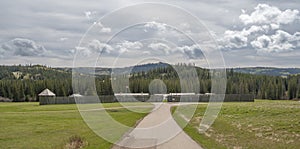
(124, 70)
(141, 68)
(39, 72)
(34, 72)
(268, 71)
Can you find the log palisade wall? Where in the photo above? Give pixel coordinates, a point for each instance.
(144, 98)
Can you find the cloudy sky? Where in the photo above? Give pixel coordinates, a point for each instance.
(247, 33)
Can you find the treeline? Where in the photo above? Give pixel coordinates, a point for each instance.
(180, 78)
(24, 83)
(27, 90)
(261, 86)
(175, 78)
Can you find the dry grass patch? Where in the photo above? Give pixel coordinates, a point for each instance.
(261, 124)
(75, 142)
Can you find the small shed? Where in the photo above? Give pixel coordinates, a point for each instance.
(46, 97)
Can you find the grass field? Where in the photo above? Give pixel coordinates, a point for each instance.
(262, 124)
(28, 125)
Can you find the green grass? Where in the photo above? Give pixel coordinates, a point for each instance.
(262, 124)
(28, 125)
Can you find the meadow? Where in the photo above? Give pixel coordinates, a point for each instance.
(261, 124)
(29, 125)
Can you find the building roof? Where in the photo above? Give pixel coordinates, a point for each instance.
(46, 92)
(180, 94)
(143, 94)
(75, 95)
(131, 94)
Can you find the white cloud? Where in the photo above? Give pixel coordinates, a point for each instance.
(296, 39)
(243, 10)
(63, 38)
(261, 42)
(146, 52)
(22, 47)
(274, 26)
(69, 20)
(233, 39)
(83, 51)
(239, 39)
(192, 52)
(156, 26)
(90, 14)
(160, 47)
(103, 29)
(72, 51)
(189, 51)
(279, 42)
(266, 14)
(97, 46)
(255, 29)
(262, 30)
(186, 27)
(127, 45)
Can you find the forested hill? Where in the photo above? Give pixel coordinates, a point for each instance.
(23, 83)
(268, 71)
(40, 72)
(32, 72)
(142, 67)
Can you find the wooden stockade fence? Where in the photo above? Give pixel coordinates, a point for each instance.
(45, 100)
(74, 100)
(206, 98)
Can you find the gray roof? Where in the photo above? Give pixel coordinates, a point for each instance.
(75, 95)
(46, 92)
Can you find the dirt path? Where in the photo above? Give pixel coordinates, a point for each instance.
(158, 130)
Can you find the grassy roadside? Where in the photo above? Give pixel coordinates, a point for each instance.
(262, 124)
(28, 125)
